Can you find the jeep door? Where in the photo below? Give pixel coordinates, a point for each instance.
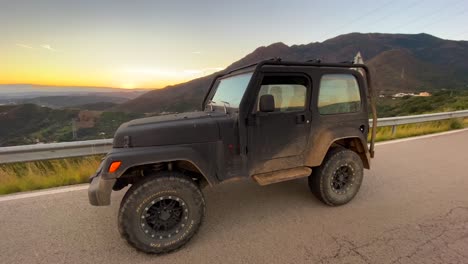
(277, 139)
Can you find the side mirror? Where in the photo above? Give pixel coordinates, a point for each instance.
(267, 103)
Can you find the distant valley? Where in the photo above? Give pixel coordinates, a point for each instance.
(41, 114)
(69, 101)
(61, 97)
(12, 91)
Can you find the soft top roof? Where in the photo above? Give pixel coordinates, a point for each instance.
(279, 62)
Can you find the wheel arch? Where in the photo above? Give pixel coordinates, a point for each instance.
(140, 171)
(355, 143)
(193, 159)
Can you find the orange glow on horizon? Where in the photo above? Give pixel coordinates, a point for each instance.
(57, 78)
(57, 67)
(125, 85)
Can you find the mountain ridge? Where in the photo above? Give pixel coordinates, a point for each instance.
(425, 56)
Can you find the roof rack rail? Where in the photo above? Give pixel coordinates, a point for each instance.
(275, 59)
(316, 60)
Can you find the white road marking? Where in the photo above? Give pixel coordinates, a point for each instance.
(24, 195)
(32, 194)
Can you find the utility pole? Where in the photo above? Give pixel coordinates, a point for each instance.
(74, 128)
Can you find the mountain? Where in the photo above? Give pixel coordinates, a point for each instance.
(398, 70)
(400, 62)
(178, 98)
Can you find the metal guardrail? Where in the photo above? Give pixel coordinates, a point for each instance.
(54, 150)
(102, 146)
(403, 120)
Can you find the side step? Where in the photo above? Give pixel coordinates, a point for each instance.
(281, 175)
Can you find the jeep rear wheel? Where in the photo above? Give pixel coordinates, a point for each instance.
(339, 178)
(161, 213)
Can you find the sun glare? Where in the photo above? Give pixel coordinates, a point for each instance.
(128, 85)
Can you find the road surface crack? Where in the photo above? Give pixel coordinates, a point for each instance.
(439, 240)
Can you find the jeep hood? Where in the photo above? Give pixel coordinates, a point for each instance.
(184, 128)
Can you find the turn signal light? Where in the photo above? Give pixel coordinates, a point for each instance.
(114, 166)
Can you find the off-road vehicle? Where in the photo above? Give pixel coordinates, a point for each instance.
(271, 121)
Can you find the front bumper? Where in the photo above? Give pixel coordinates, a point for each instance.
(99, 191)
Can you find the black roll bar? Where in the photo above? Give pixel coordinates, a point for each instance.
(278, 61)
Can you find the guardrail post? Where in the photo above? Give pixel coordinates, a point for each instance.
(394, 130)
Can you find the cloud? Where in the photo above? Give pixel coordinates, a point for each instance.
(24, 46)
(204, 71)
(196, 52)
(171, 72)
(190, 72)
(48, 47)
(44, 46)
(214, 69)
(152, 71)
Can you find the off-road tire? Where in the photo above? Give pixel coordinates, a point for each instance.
(151, 195)
(325, 179)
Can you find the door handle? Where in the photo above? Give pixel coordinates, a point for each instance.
(300, 119)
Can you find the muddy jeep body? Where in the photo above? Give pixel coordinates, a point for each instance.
(249, 138)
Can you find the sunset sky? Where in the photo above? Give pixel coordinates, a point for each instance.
(150, 44)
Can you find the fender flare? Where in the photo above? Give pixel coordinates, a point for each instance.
(196, 154)
(324, 140)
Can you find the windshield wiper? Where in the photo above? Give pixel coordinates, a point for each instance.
(210, 103)
(224, 104)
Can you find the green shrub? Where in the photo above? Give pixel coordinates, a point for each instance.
(455, 124)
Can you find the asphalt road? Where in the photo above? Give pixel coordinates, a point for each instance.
(412, 208)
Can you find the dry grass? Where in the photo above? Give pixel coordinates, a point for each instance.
(411, 130)
(28, 176)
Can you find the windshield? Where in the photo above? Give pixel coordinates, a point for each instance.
(230, 90)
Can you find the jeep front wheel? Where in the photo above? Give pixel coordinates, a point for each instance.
(339, 178)
(161, 213)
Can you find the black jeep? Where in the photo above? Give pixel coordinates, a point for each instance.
(271, 121)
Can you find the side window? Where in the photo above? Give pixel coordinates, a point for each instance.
(290, 92)
(339, 93)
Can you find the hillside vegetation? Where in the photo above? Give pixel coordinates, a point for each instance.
(443, 101)
(106, 125)
(30, 124)
(24, 124)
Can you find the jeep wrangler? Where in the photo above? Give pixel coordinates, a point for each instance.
(271, 121)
